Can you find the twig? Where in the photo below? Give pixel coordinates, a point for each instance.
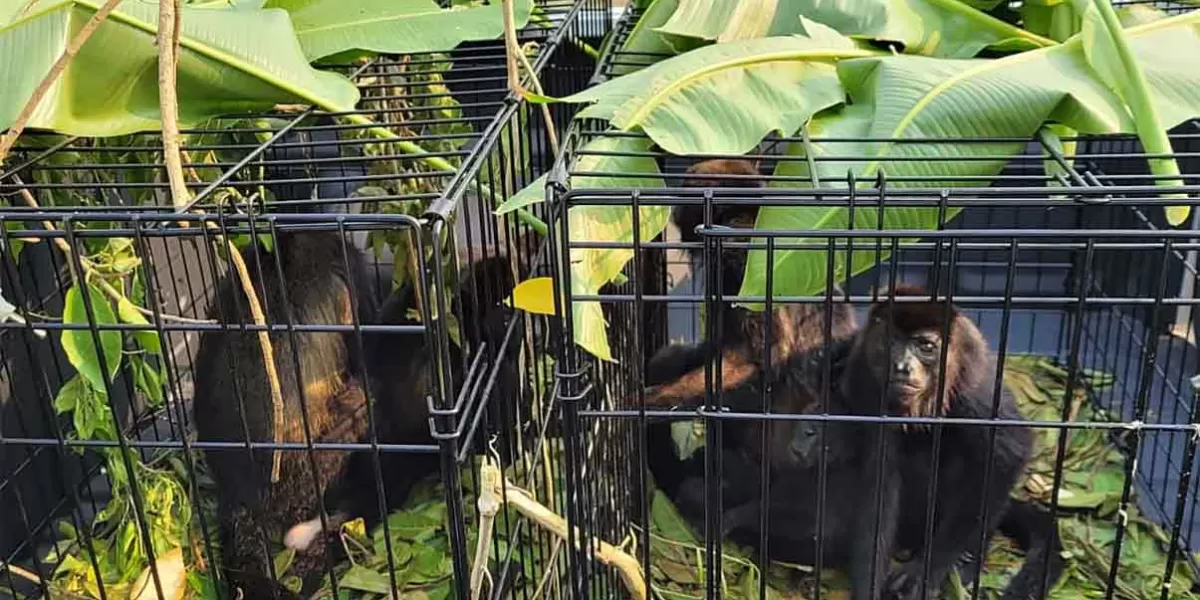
(489, 505)
(168, 47)
(56, 70)
(515, 55)
(168, 104)
(264, 342)
(626, 565)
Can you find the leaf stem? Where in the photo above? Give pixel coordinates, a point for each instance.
(1149, 126)
(991, 22)
(56, 70)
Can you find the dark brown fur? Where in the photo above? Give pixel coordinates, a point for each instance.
(797, 331)
(900, 320)
(897, 335)
(321, 399)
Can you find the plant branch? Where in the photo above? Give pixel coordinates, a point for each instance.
(516, 60)
(626, 565)
(168, 104)
(56, 70)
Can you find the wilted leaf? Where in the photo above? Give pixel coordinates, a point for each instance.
(668, 522)
(78, 343)
(365, 580)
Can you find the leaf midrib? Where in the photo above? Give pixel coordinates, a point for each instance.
(941, 87)
(213, 53)
(656, 99)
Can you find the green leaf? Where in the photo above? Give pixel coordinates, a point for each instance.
(365, 580)
(904, 97)
(230, 61)
(531, 194)
(591, 268)
(726, 98)
(74, 391)
(946, 28)
(78, 343)
(328, 27)
(1052, 135)
(667, 521)
(129, 314)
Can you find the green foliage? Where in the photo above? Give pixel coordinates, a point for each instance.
(743, 90)
(230, 61)
(98, 367)
(909, 97)
(328, 27)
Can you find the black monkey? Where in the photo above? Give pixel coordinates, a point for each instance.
(896, 362)
(320, 379)
(678, 374)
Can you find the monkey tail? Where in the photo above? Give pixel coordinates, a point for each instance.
(1035, 530)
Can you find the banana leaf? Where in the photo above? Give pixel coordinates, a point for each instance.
(329, 27)
(907, 97)
(946, 28)
(725, 98)
(231, 61)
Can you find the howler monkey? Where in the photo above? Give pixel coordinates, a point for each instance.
(320, 378)
(678, 372)
(896, 364)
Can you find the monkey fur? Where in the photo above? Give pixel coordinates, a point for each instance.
(320, 379)
(851, 451)
(896, 361)
(253, 512)
(677, 373)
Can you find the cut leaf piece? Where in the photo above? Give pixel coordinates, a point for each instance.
(906, 97)
(328, 27)
(231, 61)
(726, 98)
(535, 296)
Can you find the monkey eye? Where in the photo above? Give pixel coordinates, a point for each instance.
(926, 345)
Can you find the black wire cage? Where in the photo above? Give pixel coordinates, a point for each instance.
(137, 409)
(1081, 290)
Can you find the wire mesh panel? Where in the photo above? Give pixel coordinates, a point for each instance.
(142, 425)
(1059, 290)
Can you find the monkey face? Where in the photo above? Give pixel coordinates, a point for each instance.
(906, 365)
(805, 448)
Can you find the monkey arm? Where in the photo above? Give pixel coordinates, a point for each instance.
(874, 541)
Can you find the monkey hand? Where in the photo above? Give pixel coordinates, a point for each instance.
(904, 583)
